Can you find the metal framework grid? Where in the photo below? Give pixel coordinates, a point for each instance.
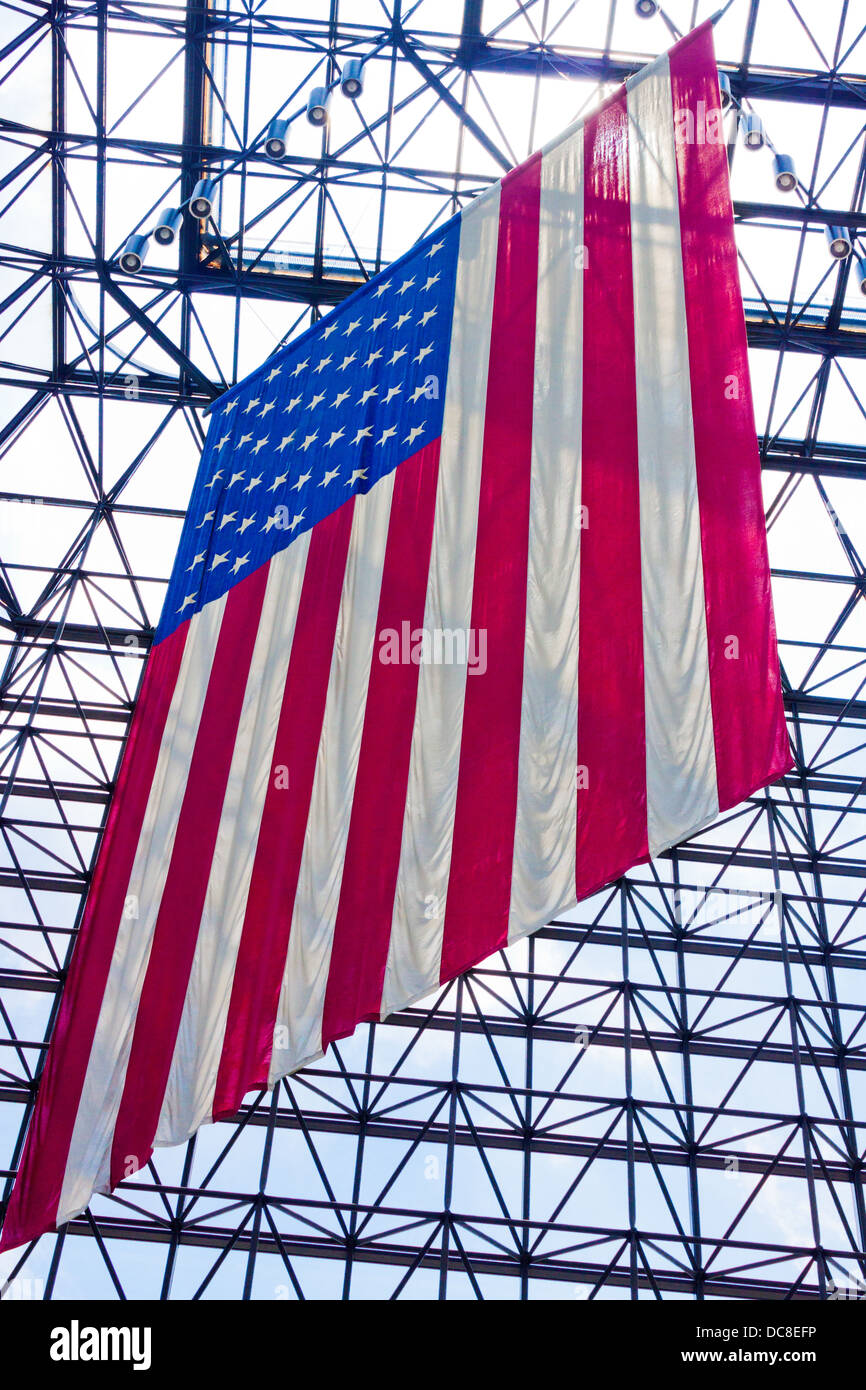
(663, 1096)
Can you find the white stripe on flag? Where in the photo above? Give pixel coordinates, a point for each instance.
(425, 855)
(543, 872)
(681, 767)
(88, 1163)
(298, 1035)
(192, 1080)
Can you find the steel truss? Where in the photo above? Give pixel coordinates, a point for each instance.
(664, 1095)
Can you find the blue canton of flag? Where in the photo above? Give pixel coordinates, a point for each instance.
(325, 418)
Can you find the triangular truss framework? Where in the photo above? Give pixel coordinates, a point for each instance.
(664, 1095)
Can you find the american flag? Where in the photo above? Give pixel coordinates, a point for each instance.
(470, 614)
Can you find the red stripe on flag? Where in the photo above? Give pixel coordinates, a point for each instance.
(160, 1005)
(479, 886)
(249, 1035)
(34, 1201)
(611, 743)
(745, 687)
(362, 930)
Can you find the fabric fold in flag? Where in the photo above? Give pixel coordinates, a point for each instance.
(470, 614)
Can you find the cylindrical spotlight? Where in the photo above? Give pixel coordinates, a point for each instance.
(839, 241)
(276, 139)
(783, 169)
(646, 8)
(861, 273)
(725, 90)
(201, 202)
(753, 130)
(167, 225)
(351, 80)
(134, 254)
(317, 105)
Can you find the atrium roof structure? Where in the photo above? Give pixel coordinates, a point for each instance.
(663, 1095)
